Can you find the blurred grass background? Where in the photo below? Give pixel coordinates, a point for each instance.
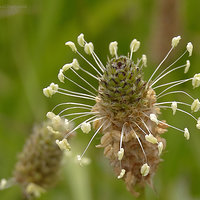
(32, 37)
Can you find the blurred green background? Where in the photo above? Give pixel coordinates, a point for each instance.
(32, 37)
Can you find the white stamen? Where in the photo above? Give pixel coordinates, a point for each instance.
(198, 125)
(75, 64)
(56, 121)
(175, 41)
(85, 80)
(66, 67)
(144, 60)
(90, 65)
(180, 111)
(89, 48)
(160, 148)
(92, 139)
(120, 153)
(34, 189)
(195, 105)
(196, 80)
(54, 87)
(66, 124)
(176, 84)
(86, 127)
(53, 131)
(3, 184)
(135, 45)
(75, 107)
(187, 66)
(160, 65)
(174, 107)
(140, 144)
(113, 48)
(172, 64)
(50, 115)
(79, 86)
(189, 48)
(83, 161)
(123, 171)
(48, 92)
(177, 91)
(61, 76)
(71, 45)
(81, 40)
(186, 134)
(145, 169)
(63, 145)
(77, 96)
(170, 71)
(153, 118)
(150, 138)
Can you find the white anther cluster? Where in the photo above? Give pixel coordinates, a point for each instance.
(57, 123)
(198, 123)
(89, 48)
(186, 134)
(122, 173)
(189, 48)
(86, 127)
(81, 40)
(35, 190)
(75, 64)
(63, 145)
(144, 60)
(187, 67)
(61, 76)
(175, 41)
(71, 45)
(153, 118)
(160, 148)
(145, 169)
(50, 90)
(120, 153)
(195, 105)
(174, 107)
(83, 161)
(196, 80)
(135, 45)
(150, 138)
(113, 48)
(3, 184)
